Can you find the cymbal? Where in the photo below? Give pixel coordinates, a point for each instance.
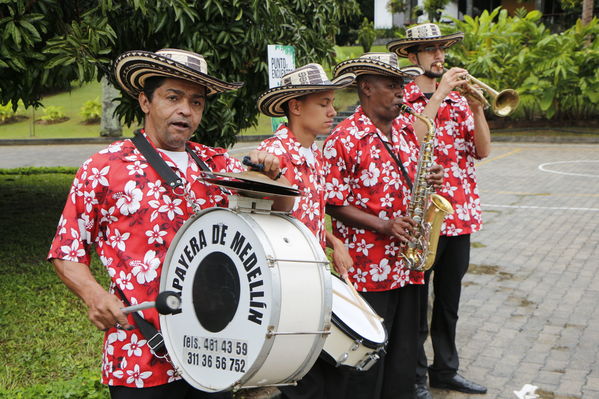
(248, 184)
(251, 176)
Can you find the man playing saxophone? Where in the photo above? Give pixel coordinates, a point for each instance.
(462, 136)
(369, 160)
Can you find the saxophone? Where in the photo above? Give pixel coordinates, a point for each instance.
(425, 208)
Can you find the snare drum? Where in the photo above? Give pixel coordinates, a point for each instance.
(255, 299)
(358, 335)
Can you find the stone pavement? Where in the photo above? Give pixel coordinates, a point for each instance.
(528, 310)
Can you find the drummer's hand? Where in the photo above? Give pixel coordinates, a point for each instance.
(104, 311)
(342, 260)
(272, 166)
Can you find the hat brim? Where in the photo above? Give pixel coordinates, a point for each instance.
(132, 69)
(369, 66)
(400, 46)
(271, 101)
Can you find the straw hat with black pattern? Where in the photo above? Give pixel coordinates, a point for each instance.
(132, 68)
(422, 35)
(385, 64)
(310, 78)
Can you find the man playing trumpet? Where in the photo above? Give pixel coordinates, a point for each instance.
(462, 136)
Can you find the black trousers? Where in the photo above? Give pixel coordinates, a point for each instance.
(393, 376)
(323, 381)
(175, 390)
(451, 264)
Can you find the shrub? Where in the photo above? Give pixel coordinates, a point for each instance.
(556, 75)
(85, 386)
(366, 35)
(91, 112)
(53, 114)
(6, 112)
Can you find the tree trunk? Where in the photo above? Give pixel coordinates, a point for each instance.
(110, 126)
(587, 11)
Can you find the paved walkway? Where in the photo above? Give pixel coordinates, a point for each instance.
(529, 310)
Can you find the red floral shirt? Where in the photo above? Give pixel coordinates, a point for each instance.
(360, 172)
(119, 204)
(456, 153)
(306, 176)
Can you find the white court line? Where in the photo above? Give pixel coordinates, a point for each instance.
(544, 168)
(560, 208)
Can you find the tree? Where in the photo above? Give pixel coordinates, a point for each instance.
(46, 44)
(434, 8)
(587, 11)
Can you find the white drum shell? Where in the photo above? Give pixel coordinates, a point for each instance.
(299, 304)
(346, 348)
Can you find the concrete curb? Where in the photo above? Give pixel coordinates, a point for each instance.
(496, 137)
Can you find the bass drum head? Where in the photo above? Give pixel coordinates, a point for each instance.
(219, 267)
(352, 320)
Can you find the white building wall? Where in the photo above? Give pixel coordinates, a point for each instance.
(382, 17)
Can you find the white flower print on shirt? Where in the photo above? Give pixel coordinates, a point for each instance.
(137, 376)
(99, 176)
(370, 176)
(146, 271)
(124, 281)
(133, 348)
(129, 201)
(117, 240)
(74, 252)
(155, 235)
(155, 189)
(379, 272)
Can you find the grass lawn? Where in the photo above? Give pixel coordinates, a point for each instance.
(71, 103)
(44, 331)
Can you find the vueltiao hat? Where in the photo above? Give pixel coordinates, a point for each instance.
(423, 34)
(385, 64)
(310, 78)
(133, 67)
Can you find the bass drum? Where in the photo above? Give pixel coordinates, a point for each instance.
(255, 300)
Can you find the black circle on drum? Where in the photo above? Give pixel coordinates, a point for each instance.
(216, 290)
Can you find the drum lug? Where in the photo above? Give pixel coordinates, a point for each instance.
(271, 261)
(368, 362)
(356, 345)
(342, 358)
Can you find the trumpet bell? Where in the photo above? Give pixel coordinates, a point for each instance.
(505, 102)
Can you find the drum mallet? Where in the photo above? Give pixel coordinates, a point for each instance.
(167, 302)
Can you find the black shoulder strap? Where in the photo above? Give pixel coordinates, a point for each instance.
(147, 329)
(195, 157)
(404, 172)
(154, 159)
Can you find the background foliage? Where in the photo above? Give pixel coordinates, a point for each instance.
(48, 43)
(556, 75)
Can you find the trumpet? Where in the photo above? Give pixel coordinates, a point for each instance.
(503, 103)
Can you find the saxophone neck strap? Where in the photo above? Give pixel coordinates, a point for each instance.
(404, 172)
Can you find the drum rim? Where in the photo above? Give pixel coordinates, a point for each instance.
(274, 314)
(352, 333)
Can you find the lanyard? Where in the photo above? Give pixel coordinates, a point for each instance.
(404, 172)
